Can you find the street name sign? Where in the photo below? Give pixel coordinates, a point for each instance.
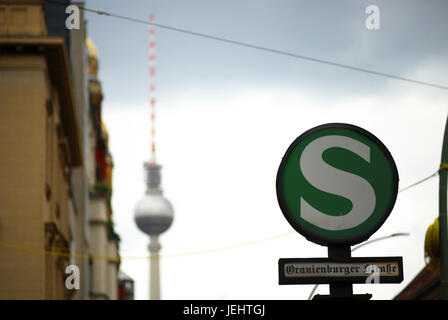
(354, 270)
(337, 184)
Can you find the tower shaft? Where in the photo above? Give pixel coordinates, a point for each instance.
(154, 272)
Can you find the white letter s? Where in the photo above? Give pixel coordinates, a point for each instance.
(338, 182)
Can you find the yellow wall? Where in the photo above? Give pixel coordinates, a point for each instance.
(32, 157)
(37, 212)
(22, 19)
(23, 92)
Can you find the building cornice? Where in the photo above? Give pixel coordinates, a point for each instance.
(55, 51)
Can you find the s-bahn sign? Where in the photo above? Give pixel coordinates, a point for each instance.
(337, 184)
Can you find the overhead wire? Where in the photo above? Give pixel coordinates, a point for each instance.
(91, 255)
(257, 47)
(419, 182)
(100, 12)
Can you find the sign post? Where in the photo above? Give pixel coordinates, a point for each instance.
(443, 221)
(336, 185)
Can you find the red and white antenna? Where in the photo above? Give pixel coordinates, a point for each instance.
(152, 87)
(154, 213)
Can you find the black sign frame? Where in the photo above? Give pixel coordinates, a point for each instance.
(312, 236)
(347, 279)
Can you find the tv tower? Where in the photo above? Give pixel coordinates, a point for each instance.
(154, 213)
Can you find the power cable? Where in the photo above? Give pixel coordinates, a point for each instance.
(182, 254)
(419, 182)
(397, 234)
(252, 46)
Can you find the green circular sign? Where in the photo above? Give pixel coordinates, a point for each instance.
(337, 184)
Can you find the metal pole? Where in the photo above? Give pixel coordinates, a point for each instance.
(154, 275)
(443, 227)
(397, 234)
(340, 289)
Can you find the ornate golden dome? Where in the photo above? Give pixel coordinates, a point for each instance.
(104, 132)
(92, 57)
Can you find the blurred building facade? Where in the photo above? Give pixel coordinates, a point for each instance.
(125, 287)
(425, 286)
(55, 165)
(103, 239)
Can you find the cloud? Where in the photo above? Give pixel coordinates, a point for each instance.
(226, 114)
(411, 33)
(220, 158)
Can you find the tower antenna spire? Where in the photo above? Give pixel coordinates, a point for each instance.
(152, 87)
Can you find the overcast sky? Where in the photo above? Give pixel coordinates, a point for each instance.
(226, 115)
